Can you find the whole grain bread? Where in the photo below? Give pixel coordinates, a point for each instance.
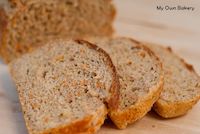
(65, 87)
(140, 75)
(181, 88)
(34, 22)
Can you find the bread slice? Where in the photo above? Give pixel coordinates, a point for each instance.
(140, 75)
(34, 22)
(63, 87)
(181, 84)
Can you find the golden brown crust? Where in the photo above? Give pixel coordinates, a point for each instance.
(3, 22)
(84, 126)
(3, 25)
(115, 86)
(174, 109)
(137, 111)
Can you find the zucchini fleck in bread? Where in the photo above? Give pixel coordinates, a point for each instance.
(34, 22)
(140, 75)
(63, 87)
(181, 88)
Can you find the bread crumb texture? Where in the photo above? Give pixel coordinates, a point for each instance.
(63, 86)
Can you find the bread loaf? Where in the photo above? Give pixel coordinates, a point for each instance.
(29, 24)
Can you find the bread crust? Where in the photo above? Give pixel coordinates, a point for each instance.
(84, 126)
(175, 109)
(138, 110)
(88, 125)
(3, 25)
(115, 86)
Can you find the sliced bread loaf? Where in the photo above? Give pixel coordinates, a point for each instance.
(63, 87)
(181, 84)
(36, 21)
(140, 75)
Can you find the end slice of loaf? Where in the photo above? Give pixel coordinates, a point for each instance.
(34, 22)
(181, 84)
(140, 75)
(63, 87)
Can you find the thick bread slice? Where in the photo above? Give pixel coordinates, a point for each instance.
(63, 87)
(181, 84)
(35, 22)
(140, 75)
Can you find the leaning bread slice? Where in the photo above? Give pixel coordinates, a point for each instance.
(181, 84)
(63, 87)
(140, 75)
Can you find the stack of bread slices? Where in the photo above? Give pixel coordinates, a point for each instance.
(71, 86)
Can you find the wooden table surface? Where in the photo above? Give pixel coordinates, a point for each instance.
(141, 20)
